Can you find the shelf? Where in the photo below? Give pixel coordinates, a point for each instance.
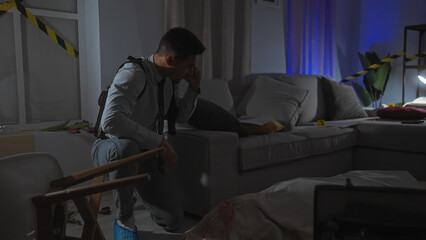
(421, 29)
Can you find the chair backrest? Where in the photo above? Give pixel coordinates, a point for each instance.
(22, 177)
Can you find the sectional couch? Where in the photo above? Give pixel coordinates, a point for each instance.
(215, 165)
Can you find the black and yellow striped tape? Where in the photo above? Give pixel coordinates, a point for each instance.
(415, 57)
(40, 25)
(384, 61)
(5, 7)
(374, 66)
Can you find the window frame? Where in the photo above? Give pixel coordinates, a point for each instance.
(19, 62)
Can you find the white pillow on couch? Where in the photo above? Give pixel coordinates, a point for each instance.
(270, 97)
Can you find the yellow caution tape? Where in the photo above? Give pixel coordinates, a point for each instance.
(6, 6)
(382, 62)
(40, 25)
(415, 57)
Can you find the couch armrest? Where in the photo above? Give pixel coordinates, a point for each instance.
(207, 167)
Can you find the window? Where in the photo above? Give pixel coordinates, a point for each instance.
(39, 80)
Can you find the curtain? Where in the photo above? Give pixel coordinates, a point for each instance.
(224, 27)
(310, 41)
(50, 90)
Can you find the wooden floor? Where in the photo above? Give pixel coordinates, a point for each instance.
(147, 229)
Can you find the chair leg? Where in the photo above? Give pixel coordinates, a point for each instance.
(94, 203)
(95, 199)
(59, 221)
(51, 221)
(44, 220)
(91, 229)
(89, 212)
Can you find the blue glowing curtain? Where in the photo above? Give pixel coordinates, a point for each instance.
(310, 37)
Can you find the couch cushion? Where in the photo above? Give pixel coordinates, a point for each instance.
(271, 149)
(247, 81)
(314, 106)
(327, 139)
(269, 97)
(341, 101)
(392, 135)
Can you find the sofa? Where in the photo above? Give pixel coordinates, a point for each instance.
(218, 160)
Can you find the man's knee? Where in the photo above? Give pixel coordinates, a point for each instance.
(116, 149)
(105, 151)
(128, 148)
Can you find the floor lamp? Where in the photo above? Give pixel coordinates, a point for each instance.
(421, 29)
(422, 75)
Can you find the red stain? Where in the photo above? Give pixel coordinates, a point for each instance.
(226, 214)
(223, 215)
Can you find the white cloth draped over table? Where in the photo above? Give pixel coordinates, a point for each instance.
(284, 210)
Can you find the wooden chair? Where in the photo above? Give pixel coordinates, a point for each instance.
(34, 194)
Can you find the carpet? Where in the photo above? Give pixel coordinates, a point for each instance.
(147, 228)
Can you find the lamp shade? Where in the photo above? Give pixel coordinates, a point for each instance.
(422, 76)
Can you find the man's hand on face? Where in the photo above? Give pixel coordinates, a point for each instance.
(194, 79)
(169, 154)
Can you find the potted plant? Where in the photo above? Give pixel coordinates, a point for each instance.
(372, 88)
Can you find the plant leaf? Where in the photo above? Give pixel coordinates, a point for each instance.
(381, 77)
(375, 80)
(371, 75)
(374, 93)
(364, 61)
(58, 127)
(387, 76)
(372, 57)
(363, 94)
(79, 125)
